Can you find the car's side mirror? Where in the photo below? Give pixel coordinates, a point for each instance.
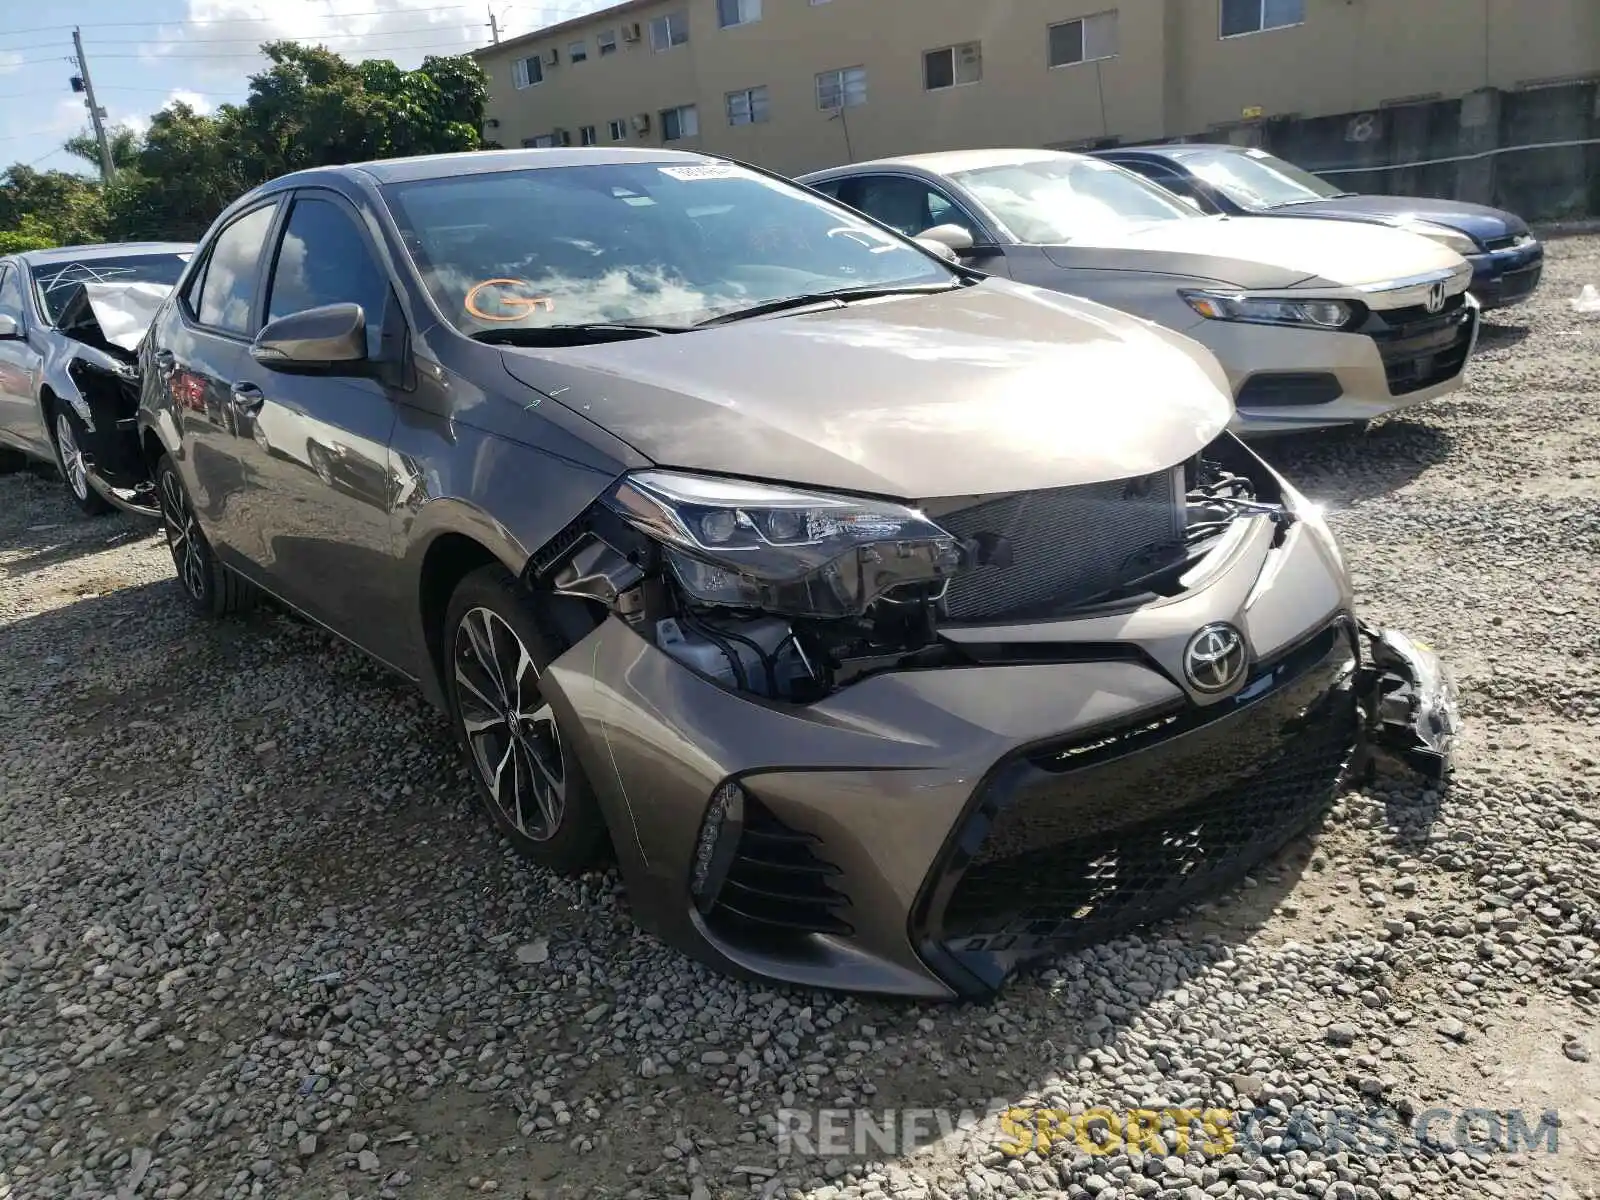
(9, 330)
(953, 237)
(330, 338)
(939, 248)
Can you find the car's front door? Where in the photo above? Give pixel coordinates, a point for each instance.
(200, 354)
(317, 445)
(912, 205)
(21, 425)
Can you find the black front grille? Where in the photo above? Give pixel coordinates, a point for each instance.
(1066, 545)
(1518, 284)
(1074, 843)
(1420, 349)
(777, 885)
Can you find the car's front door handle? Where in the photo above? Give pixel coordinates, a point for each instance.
(166, 362)
(246, 397)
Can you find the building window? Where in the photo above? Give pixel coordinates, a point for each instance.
(577, 52)
(952, 65)
(586, 135)
(669, 31)
(748, 107)
(1253, 16)
(738, 12)
(543, 142)
(617, 130)
(525, 72)
(607, 42)
(680, 122)
(1087, 39)
(845, 88)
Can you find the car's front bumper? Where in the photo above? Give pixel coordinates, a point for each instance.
(924, 832)
(1501, 278)
(1285, 380)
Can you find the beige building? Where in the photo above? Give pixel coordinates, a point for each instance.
(797, 85)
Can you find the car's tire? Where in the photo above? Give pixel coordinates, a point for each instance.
(67, 432)
(210, 588)
(524, 771)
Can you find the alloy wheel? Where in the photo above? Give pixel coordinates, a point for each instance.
(510, 730)
(72, 464)
(183, 537)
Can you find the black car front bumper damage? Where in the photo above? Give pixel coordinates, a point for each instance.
(1072, 843)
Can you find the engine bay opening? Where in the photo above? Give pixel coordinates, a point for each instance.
(1104, 547)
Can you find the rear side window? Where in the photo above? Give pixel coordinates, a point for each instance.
(11, 293)
(234, 269)
(324, 259)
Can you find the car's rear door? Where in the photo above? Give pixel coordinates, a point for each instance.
(20, 423)
(318, 444)
(202, 351)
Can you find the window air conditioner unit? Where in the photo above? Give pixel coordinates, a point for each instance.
(631, 33)
(552, 57)
(641, 123)
(563, 137)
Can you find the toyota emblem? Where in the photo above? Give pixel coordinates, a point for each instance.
(1435, 300)
(1215, 658)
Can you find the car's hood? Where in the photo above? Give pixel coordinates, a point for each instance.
(993, 388)
(1478, 220)
(1259, 252)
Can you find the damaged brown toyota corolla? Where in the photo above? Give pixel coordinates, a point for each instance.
(895, 625)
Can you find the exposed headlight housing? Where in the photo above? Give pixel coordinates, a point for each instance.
(1523, 240)
(1273, 310)
(1453, 238)
(737, 544)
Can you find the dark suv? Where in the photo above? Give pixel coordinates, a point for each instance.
(865, 601)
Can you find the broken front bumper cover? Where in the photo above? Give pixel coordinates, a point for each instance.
(1411, 701)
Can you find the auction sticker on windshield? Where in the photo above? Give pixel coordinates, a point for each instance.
(706, 171)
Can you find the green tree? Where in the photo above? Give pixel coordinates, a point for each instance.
(58, 207)
(125, 145)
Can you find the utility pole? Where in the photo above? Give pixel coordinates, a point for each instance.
(96, 113)
(494, 26)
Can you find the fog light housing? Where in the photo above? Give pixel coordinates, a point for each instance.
(717, 844)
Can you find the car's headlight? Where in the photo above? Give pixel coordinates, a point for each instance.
(1271, 310)
(1523, 240)
(798, 553)
(1454, 239)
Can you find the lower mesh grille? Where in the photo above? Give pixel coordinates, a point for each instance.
(1067, 545)
(777, 885)
(1083, 843)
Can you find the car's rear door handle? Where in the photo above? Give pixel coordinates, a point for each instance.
(246, 397)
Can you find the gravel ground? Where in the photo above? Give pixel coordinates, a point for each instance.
(254, 942)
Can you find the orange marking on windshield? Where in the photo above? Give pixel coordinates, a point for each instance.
(519, 306)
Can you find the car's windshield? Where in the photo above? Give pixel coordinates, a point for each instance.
(668, 243)
(56, 280)
(1256, 179)
(1067, 199)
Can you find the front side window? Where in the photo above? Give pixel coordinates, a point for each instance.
(747, 107)
(233, 270)
(1054, 200)
(1256, 179)
(1253, 16)
(323, 259)
(55, 281)
(680, 122)
(525, 72)
(844, 88)
(907, 206)
(738, 12)
(609, 242)
(11, 294)
(1087, 39)
(668, 31)
(952, 65)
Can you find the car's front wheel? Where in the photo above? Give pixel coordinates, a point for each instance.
(211, 589)
(527, 777)
(69, 433)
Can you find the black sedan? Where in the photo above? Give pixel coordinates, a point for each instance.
(1507, 260)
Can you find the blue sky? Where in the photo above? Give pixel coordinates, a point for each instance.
(144, 53)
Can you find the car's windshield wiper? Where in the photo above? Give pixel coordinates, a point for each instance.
(836, 295)
(571, 335)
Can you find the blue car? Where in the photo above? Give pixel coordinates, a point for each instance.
(1507, 260)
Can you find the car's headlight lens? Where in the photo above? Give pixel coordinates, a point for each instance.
(1523, 240)
(739, 544)
(1269, 310)
(1443, 234)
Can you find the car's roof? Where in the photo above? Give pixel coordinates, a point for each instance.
(100, 252)
(478, 162)
(950, 161)
(1176, 149)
